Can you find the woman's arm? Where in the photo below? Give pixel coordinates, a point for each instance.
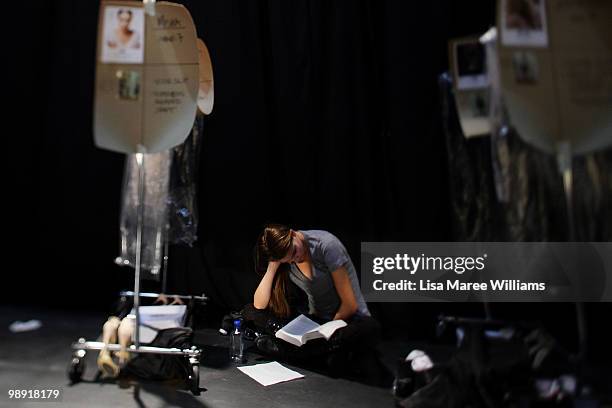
(348, 303)
(264, 290)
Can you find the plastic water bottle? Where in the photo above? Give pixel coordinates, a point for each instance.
(236, 344)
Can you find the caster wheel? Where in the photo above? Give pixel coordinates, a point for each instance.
(76, 369)
(194, 380)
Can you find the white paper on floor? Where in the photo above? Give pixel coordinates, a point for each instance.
(19, 326)
(270, 373)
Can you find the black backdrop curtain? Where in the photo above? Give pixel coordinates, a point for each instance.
(326, 116)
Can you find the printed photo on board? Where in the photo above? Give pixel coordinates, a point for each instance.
(470, 65)
(123, 35)
(129, 85)
(523, 23)
(525, 65)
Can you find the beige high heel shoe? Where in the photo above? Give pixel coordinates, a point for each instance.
(123, 357)
(106, 365)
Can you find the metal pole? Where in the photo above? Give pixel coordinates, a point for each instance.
(564, 159)
(165, 259)
(139, 226)
(487, 310)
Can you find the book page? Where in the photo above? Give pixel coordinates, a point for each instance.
(294, 332)
(290, 338)
(300, 326)
(329, 328)
(311, 335)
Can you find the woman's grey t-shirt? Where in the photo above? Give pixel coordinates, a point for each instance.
(328, 254)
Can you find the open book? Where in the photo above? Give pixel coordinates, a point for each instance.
(301, 329)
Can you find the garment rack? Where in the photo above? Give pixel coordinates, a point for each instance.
(129, 293)
(80, 347)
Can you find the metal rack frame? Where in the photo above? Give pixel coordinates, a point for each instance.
(80, 347)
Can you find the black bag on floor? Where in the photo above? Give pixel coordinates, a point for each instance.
(161, 366)
(481, 374)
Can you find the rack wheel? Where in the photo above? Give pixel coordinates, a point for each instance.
(76, 369)
(194, 379)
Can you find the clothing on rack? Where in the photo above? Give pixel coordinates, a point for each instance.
(183, 192)
(170, 203)
(156, 167)
(532, 206)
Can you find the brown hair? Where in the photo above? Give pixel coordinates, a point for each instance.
(272, 245)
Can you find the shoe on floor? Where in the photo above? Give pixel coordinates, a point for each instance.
(123, 356)
(106, 365)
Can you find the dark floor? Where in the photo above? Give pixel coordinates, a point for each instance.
(39, 359)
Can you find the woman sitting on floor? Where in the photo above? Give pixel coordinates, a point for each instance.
(317, 263)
